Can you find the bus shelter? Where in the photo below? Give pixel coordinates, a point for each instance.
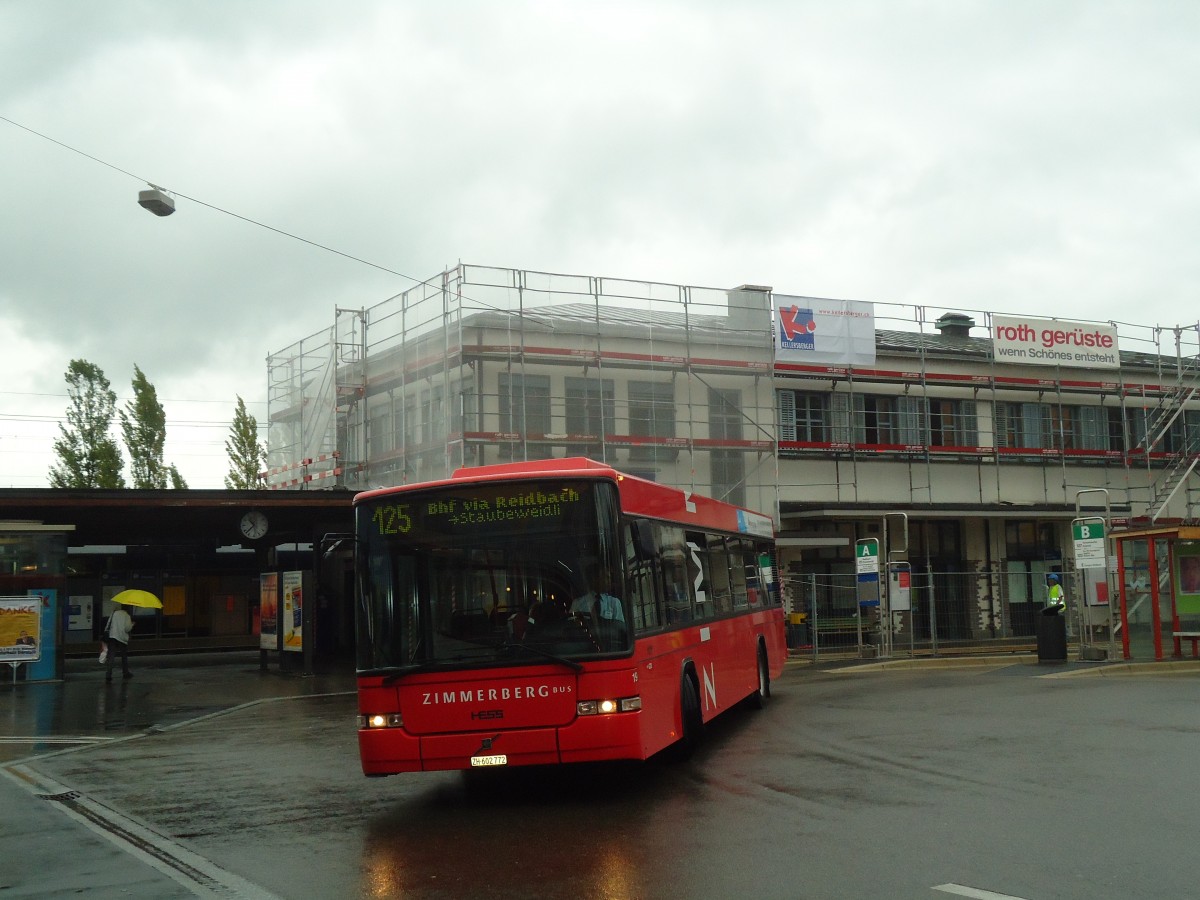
(1158, 570)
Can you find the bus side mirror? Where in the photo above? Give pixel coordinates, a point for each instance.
(333, 541)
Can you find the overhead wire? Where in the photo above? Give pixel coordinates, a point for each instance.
(214, 207)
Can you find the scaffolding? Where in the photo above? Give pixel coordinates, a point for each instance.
(482, 365)
(680, 384)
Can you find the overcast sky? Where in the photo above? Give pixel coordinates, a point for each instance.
(1021, 157)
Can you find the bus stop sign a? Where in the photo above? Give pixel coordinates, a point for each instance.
(866, 553)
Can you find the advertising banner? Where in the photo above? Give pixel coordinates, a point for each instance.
(268, 611)
(293, 611)
(1052, 342)
(1187, 575)
(899, 587)
(829, 332)
(20, 629)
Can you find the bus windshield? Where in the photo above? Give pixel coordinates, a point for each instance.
(489, 573)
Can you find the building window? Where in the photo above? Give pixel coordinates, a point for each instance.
(952, 423)
(411, 423)
(1028, 539)
(381, 429)
(590, 412)
(463, 414)
(1182, 436)
(433, 416)
(728, 466)
(525, 411)
(937, 539)
(397, 422)
(1051, 426)
(1097, 425)
(876, 419)
(652, 414)
(803, 416)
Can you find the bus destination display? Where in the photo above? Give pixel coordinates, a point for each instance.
(461, 510)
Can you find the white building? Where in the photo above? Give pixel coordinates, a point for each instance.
(982, 428)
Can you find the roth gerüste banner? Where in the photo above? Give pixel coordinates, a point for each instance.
(833, 332)
(1053, 342)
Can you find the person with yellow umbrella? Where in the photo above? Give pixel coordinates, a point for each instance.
(120, 624)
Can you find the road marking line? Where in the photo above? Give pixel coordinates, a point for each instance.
(964, 891)
(186, 867)
(56, 739)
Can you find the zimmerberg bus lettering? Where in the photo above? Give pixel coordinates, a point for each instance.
(486, 695)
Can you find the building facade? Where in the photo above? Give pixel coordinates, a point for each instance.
(966, 441)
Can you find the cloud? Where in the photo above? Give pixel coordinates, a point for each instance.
(1017, 157)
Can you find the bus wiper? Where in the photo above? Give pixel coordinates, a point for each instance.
(398, 672)
(537, 651)
(562, 660)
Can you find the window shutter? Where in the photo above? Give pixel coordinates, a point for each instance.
(1002, 424)
(912, 421)
(787, 415)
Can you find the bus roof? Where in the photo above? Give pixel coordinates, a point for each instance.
(639, 496)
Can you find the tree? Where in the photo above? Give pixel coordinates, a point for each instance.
(144, 425)
(247, 458)
(88, 457)
(177, 482)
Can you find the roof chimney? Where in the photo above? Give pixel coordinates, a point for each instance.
(955, 325)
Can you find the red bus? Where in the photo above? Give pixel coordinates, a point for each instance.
(555, 611)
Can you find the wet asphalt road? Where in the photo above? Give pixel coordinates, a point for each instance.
(220, 781)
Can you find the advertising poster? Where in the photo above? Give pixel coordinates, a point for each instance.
(1187, 578)
(1053, 342)
(293, 611)
(268, 611)
(827, 332)
(20, 629)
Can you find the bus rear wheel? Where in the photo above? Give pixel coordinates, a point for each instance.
(758, 699)
(692, 720)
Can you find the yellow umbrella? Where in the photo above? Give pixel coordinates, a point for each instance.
(144, 599)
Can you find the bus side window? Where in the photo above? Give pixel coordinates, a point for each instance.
(760, 577)
(754, 589)
(739, 551)
(699, 574)
(639, 568)
(677, 590)
(718, 568)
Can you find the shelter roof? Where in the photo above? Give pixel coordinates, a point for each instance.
(209, 517)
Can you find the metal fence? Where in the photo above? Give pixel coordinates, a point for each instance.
(951, 612)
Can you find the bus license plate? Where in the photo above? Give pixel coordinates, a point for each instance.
(499, 760)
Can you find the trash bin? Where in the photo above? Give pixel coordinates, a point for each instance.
(1051, 636)
(797, 636)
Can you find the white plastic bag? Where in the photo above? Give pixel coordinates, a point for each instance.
(103, 652)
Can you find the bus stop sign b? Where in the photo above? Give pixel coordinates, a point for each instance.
(1089, 544)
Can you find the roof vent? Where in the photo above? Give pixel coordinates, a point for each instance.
(955, 325)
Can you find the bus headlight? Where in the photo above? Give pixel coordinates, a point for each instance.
(381, 720)
(607, 707)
